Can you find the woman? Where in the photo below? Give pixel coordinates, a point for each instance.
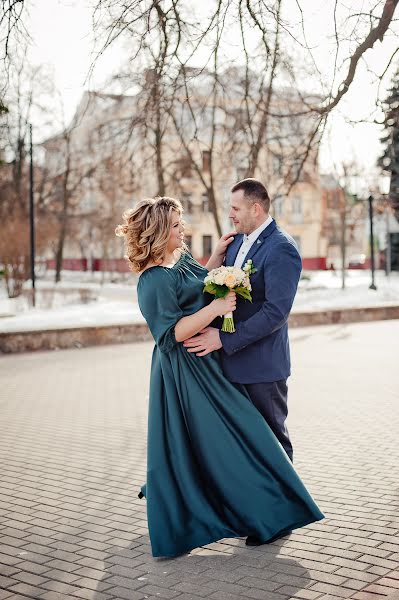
(215, 470)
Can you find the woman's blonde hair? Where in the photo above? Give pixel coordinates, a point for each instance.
(146, 230)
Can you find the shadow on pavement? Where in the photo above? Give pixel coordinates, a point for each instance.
(227, 567)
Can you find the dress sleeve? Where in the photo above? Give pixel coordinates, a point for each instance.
(157, 296)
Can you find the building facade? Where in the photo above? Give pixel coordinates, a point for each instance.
(105, 135)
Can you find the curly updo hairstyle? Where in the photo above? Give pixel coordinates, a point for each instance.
(146, 229)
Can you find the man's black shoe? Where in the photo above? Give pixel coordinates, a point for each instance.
(252, 540)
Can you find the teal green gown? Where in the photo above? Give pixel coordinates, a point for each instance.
(214, 468)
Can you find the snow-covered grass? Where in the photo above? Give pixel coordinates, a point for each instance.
(81, 300)
(323, 290)
(79, 315)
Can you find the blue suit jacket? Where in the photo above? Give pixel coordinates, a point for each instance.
(259, 349)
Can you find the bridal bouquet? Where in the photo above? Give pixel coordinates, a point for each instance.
(223, 280)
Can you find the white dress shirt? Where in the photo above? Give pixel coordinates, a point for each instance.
(248, 240)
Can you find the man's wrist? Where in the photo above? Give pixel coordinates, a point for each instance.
(225, 339)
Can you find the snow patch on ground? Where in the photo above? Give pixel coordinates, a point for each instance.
(116, 303)
(323, 290)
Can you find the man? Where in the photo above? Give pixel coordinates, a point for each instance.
(257, 354)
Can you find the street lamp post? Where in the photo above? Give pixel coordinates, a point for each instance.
(372, 285)
(388, 251)
(32, 218)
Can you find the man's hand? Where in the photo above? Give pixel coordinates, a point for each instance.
(206, 342)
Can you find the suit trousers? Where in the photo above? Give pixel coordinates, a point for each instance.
(270, 398)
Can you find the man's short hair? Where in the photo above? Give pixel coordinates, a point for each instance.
(254, 191)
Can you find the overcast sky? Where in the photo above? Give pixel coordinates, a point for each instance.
(62, 36)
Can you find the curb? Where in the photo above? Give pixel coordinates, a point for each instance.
(79, 337)
(344, 315)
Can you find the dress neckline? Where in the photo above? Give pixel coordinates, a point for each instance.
(163, 267)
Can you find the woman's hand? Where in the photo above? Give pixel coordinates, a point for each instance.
(217, 257)
(222, 244)
(226, 305)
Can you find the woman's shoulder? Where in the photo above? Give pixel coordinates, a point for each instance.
(154, 273)
(159, 269)
(160, 273)
(188, 258)
(156, 276)
(154, 285)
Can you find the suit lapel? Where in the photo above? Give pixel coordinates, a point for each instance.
(259, 242)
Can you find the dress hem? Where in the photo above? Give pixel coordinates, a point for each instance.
(296, 525)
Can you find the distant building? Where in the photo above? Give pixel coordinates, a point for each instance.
(124, 172)
(300, 214)
(343, 226)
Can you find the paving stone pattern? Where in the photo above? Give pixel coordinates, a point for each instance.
(73, 452)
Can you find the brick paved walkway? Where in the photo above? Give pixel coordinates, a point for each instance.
(72, 456)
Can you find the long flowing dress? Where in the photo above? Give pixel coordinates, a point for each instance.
(214, 468)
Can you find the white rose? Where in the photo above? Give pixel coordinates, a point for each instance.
(219, 278)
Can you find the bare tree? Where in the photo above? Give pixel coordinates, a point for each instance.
(257, 107)
(88, 176)
(139, 19)
(25, 81)
(27, 85)
(151, 75)
(113, 188)
(11, 25)
(67, 171)
(14, 239)
(344, 214)
(3, 108)
(199, 115)
(268, 118)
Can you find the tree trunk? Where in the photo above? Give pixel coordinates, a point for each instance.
(60, 249)
(158, 145)
(64, 213)
(343, 244)
(255, 149)
(19, 173)
(213, 206)
(59, 255)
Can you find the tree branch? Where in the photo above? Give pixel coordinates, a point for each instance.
(376, 33)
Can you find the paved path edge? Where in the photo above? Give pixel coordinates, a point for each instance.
(84, 336)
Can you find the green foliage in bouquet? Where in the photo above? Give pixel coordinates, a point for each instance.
(221, 291)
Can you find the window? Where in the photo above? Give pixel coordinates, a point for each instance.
(206, 245)
(205, 204)
(297, 240)
(297, 205)
(297, 216)
(189, 241)
(334, 199)
(278, 206)
(185, 167)
(206, 161)
(187, 203)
